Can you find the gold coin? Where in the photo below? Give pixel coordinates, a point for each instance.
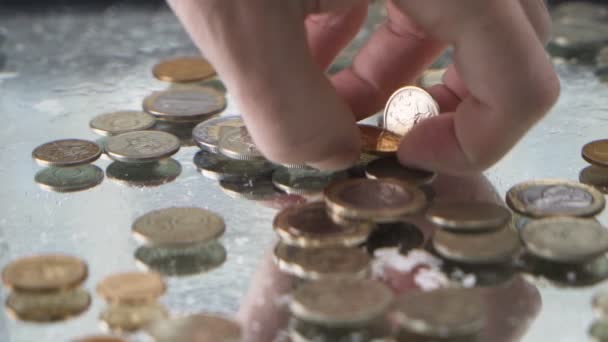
(379, 200)
(595, 176)
(183, 69)
(596, 152)
(554, 197)
(341, 301)
(47, 306)
(99, 338)
(389, 167)
(67, 152)
(320, 263)
(196, 328)
(179, 226)
(377, 140)
(50, 272)
(127, 318)
(132, 287)
(309, 225)
(599, 303)
(468, 216)
(193, 104)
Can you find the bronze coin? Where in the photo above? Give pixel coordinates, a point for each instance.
(132, 287)
(183, 69)
(67, 152)
(377, 140)
(50, 272)
(193, 104)
(596, 176)
(468, 216)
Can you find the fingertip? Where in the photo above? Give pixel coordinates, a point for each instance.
(338, 162)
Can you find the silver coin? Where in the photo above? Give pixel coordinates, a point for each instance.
(67, 179)
(207, 133)
(142, 146)
(218, 167)
(185, 104)
(181, 261)
(121, 122)
(407, 107)
(148, 174)
(236, 143)
(304, 181)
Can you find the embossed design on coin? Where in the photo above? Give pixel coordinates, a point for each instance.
(50, 272)
(481, 248)
(596, 152)
(67, 179)
(198, 327)
(389, 167)
(121, 122)
(142, 146)
(183, 69)
(407, 107)
(189, 105)
(207, 133)
(68, 152)
(127, 318)
(218, 167)
(132, 287)
(47, 307)
(236, 143)
(377, 140)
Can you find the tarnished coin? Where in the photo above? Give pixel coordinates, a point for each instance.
(99, 338)
(196, 328)
(142, 146)
(183, 69)
(407, 107)
(341, 301)
(49, 272)
(321, 263)
(47, 306)
(218, 167)
(596, 177)
(468, 216)
(236, 143)
(449, 312)
(390, 167)
(481, 248)
(379, 200)
(68, 152)
(132, 287)
(599, 302)
(193, 104)
(377, 140)
(257, 189)
(596, 152)
(309, 225)
(181, 261)
(598, 331)
(128, 318)
(207, 133)
(178, 226)
(403, 235)
(68, 179)
(304, 181)
(121, 122)
(565, 239)
(542, 198)
(147, 174)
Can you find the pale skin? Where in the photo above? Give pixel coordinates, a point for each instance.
(272, 53)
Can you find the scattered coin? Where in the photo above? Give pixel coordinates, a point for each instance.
(542, 198)
(377, 140)
(181, 261)
(600, 303)
(384, 200)
(99, 338)
(47, 306)
(147, 174)
(236, 143)
(121, 122)
(565, 239)
(67, 152)
(181, 130)
(596, 177)
(304, 181)
(129, 318)
(142, 146)
(407, 107)
(132, 287)
(598, 331)
(183, 69)
(390, 167)
(403, 235)
(207, 133)
(341, 302)
(218, 167)
(68, 179)
(196, 328)
(257, 189)
(596, 152)
(49, 272)
(469, 216)
(193, 104)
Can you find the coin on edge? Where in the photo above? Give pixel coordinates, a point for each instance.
(304, 181)
(142, 146)
(218, 167)
(197, 327)
(390, 167)
(236, 143)
(376, 140)
(596, 177)
(146, 174)
(193, 104)
(47, 306)
(121, 122)
(183, 69)
(207, 133)
(68, 179)
(468, 216)
(132, 287)
(128, 318)
(407, 107)
(67, 152)
(49, 272)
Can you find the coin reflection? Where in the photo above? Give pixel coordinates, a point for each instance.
(69, 179)
(144, 174)
(181, 261)
(403, 235)
(47, 307)
(183, 131)
(565, 275)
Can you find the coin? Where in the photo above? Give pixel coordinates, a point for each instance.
(598, 331)
(471, 216)
(132, 287)
(448, 312)
(121, 122)
(236, 143)
(120, 317)
(390, 167)
(565, 239)
(599, 302)
(183, 69)
(340, 301)
(207, 133)
(304, 181)
(403, 235)
(47, 306)
(68, 179)
(178, 226)
(377, 140)
(596, 177)
(147, 174)
(482, 248)
(193, 104)
(196, 328)
(181, 130)
(218, 167)
(142, 146)
(596, 152)
(67, 152)
(321, 263)
(258, 189)
(381, 200)
(565, 275)
(407, 107)
(47, 272)
(181, 261)
(552, 197)
(309, 225)
(99, 338)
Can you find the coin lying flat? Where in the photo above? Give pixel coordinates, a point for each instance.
(128, 318)
(99, 338)
(304, 181)
(377, 140)
(407, 107)
(142, 146)
(47, 307)
(68, 152)
(446, 313)
(340, 302)
(183, 69)
(207, 133)
(132, 287)
(389, 167)
(196, 328)
(565, 239)
(121, 122)
(178, 226)
(68, 179)
(147, 174)
(596, 177)
(185, 104)
(596, 152)
(320, 263)
(402, 235)
(552, 197)
(382, 200)
(309, 225)
(181, 261)
(468, 216)
(218, 167)
(600, 303)
(236, 143)
(50, 272)
(598, 331)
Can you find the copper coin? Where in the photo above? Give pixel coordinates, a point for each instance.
(193, 104)
(196, 328)
(132, 287)
(377, 140)
(50, 272)
(390, 167)
(68, 152)
(47, 306)
(183, 69)
(468, 216)
(142, 146)
(596, 176)
(596, 152)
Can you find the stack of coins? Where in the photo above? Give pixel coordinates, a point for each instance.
(179, 241)
(197, 327)
(598, 331)
(132, 300)
(46, 288)
(596, 174)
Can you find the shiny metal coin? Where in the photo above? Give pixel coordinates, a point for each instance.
(69, 179)
(183, 69)
(142, 146)
(132, 287)
(469, 216)
(193, 104)
(121, 122)
(402, 235)
(46, 272)
(390, 167)
(596, 152)
(596, 177)
(304, 181)
(181, 261)
(147, 174)
(377, 140)
(407, 107)
(207, 133)
(196, 328)
(67, 152)
(236, 143)
(218, 167)
(47, 306)
(129, 318)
